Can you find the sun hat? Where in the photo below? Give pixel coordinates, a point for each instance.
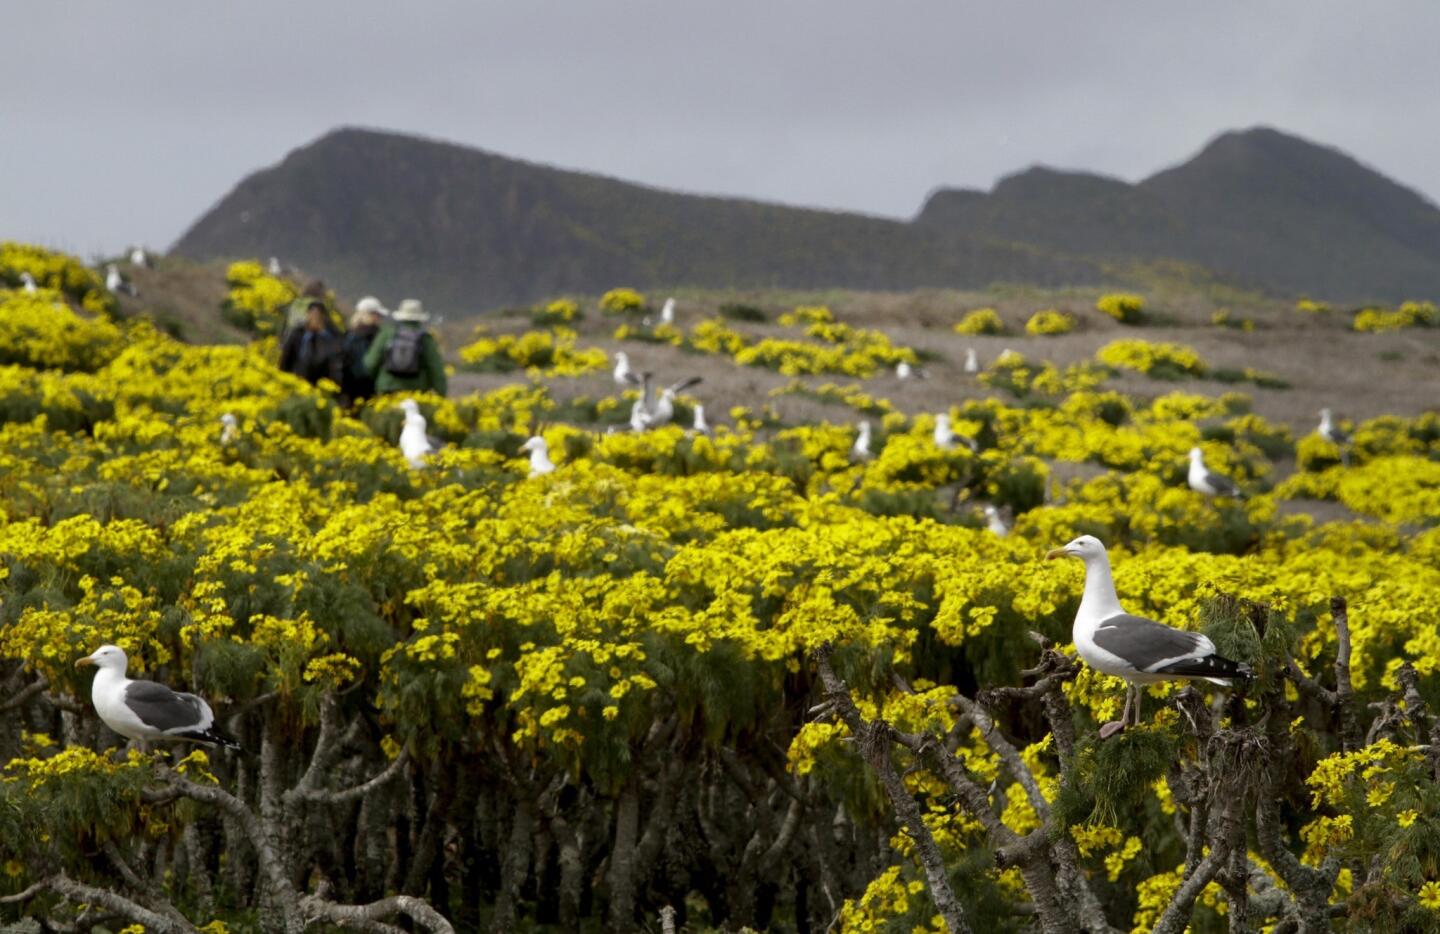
(411, 310)
(371, 304)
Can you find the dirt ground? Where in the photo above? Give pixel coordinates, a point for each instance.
(1323, 361)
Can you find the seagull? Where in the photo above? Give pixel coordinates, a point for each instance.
(944, 436)
(667, 313)
(229, 429)
(415, 444)
(664, 408)
(624, 376)
(1137, 649)
(700, 427)
(659, 411)
(1204, 480)
(116, 283)
(540, 463)
(1334, 434)
(275, 268)
(138, 257)
(995, 522)
(28, 282)
(1330, 431)
(145, 710)
(904, 371)
(860, 450)
(972, 362)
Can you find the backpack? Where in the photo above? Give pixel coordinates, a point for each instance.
(402, 357)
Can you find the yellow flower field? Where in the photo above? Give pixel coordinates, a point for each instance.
(569, 700)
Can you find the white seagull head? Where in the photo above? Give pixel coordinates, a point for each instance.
(1325, 416)
(536, 443)
(228, 420)
(411, 407)
(108, 657)
(1087, 548)
(1195, 456)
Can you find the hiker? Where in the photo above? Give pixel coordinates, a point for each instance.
(314, 351)
(359, 385)
(404, 357)
(295, 315)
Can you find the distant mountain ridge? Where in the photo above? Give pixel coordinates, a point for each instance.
(469, 230)
(1258, 206)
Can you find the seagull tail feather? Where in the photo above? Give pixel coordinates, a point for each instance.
(1214, 668)
(211, 737)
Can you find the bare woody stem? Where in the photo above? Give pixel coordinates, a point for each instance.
(874, 741)
(1344, 692)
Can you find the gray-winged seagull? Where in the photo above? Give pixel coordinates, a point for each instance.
(1137, 649)
(1204, 480)
(145, 710)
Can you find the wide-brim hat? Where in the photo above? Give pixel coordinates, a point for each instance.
(411, 310)
(372, 304)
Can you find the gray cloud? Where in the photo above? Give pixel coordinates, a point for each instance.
(125, 121)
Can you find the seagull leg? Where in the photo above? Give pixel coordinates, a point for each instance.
(1139, 696)
(1115, 726)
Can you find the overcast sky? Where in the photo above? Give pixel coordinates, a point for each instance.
(123, 122)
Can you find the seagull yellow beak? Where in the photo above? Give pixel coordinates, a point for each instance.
(81, 662)
(1054, 553)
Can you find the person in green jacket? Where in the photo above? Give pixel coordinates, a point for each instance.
(405, 357)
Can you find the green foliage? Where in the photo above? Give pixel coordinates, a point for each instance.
(1110, 779)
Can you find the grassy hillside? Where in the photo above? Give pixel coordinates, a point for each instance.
(469, 231)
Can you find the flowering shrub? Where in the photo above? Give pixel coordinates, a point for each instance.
(1162, 360)
(554, 352)
(561, 311)
(1049, 321)
(257, 301)
(1122, 306)
(615, 660)
(621, 301)
(1311, 307)
(55, 271)
(980, 321)
(1409, 314)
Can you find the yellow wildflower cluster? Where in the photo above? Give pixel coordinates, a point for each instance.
(841, 348)
(257, 301)
(1160, 359)
(1049, 321)
(980, 321)
(1122, 306)
(621, 300)
(553, 352)
(56, 276)
(1408, 315)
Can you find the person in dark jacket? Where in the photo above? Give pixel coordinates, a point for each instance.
(297, 310)
(315, 351)
(404, 356)
(359, 385)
